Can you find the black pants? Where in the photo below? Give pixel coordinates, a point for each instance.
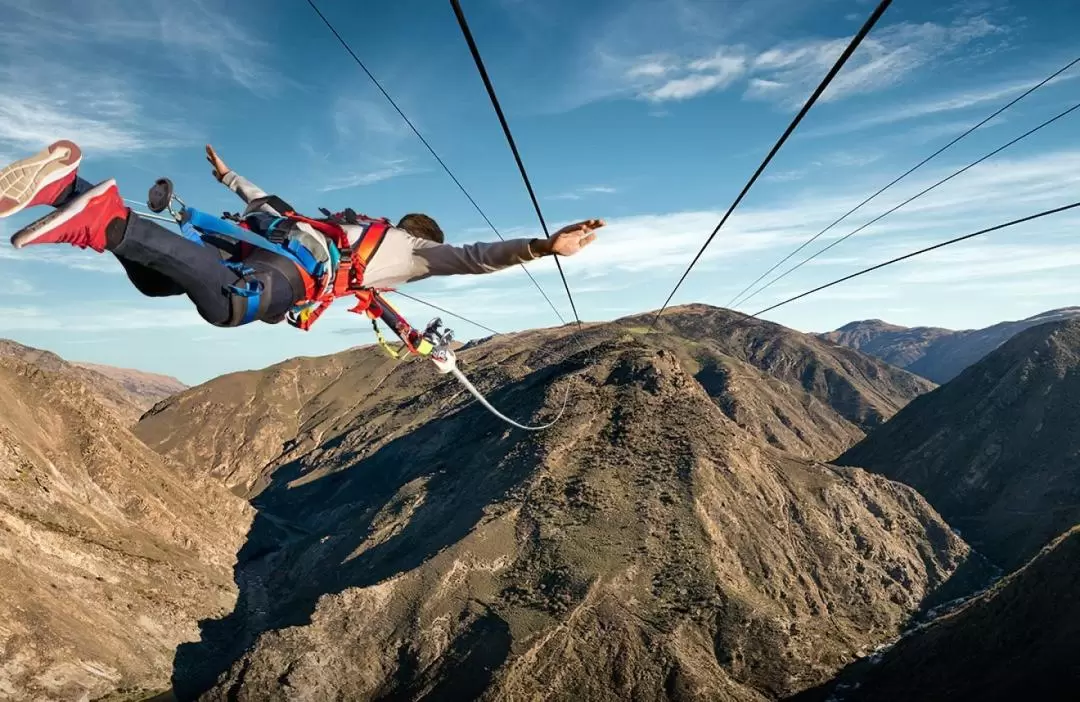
(161, 263)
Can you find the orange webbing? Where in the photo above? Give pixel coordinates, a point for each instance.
(349, 277)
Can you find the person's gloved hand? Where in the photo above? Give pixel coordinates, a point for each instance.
(220, 169)
(570, 239)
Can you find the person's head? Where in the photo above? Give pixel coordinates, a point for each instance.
(422, 227)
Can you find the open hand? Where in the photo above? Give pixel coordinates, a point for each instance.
(574, 237)
(220, 169)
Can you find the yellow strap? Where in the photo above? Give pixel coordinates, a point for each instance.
(390, 350)
(424, 348)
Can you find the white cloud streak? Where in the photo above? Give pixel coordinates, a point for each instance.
(390, 170)
(60, 256)
(645, 250)
(582, 193)
(197, 36)
(90, 72)
(787, 72)
(365, 144)
(999, 93)
(885, 58)
(96, 320)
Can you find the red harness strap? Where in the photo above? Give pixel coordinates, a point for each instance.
(349, 277)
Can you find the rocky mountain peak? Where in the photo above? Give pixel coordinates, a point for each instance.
(994, 450)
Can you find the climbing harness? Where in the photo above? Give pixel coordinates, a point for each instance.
(347, 263)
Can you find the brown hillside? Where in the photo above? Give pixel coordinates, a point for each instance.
(1015, 642)
(410, 545)
(995, 449)
(126, 392)
(864, 390)
(107, 558)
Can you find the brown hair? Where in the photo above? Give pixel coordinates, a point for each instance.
(422, 227)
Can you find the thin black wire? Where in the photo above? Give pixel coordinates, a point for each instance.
(913, 254)
(420, 136)
(446, 311)
(858, 38)
(738, 299)
(463, 23)
(909, 200)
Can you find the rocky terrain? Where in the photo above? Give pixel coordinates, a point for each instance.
(1017, 641)
(681, 534)
(672, 538)
(145, 389)
(108, 555)
(995, 449)
(934, 353)
(894, 344)
(793, 390)
(864, 390)
(127, 392)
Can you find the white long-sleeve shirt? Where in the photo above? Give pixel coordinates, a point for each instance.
(404, 258)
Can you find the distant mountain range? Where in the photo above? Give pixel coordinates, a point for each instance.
(996, 449)
(935, 353)
(127, 392)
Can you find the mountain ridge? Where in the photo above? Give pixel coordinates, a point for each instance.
(933, 352)
(108, 555)
(994, 450)
(423, 537)
(1014, 641)
(126, 391)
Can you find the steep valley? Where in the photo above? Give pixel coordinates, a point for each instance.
(108, 555)
(348, 527)
(659, 543)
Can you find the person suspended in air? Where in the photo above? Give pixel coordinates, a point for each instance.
(291, 273)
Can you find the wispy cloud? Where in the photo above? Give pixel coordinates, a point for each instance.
(582, 193)
(91, 73)
(1033, 286)
(988, 260)
(97, 319)
(17, 287)
(888, 56)
(198, 37)
(786, 73)
(31, 117)
(367, 144)
(59, 256)
(831, 160)
(788, 176)
(995, 191)
(390, 170)
(667, 78)
(997, 93)
(357, 119)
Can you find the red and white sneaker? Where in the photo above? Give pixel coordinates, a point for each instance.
(39, 179)
(81, 222)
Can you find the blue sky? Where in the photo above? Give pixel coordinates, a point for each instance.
(649, 114)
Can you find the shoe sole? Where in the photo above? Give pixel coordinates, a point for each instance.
(33, 232)
(24, 179)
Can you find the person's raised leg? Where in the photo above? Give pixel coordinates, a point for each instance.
(99, 220)
(148, 281)
(48, 177)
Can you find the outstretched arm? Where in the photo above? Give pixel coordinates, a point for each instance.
(247, 190)
(443, 259)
